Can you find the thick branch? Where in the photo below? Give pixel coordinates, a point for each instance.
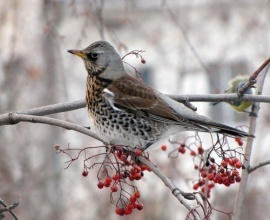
(180, 195)
(73, 105)
(14, 118)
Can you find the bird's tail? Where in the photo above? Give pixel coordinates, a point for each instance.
(227, 130)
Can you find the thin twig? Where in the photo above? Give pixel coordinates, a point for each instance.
(252, 79)
(9, 208)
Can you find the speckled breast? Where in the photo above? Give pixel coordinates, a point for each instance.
(118, 127)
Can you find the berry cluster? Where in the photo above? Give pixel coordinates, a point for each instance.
(224, 172)
(126, 166)
(119, 167)
(133, 203)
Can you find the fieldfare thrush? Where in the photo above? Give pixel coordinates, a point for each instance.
(127, 112)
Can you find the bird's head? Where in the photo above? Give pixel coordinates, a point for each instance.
(101, 59)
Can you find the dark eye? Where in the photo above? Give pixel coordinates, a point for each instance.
(92, 56)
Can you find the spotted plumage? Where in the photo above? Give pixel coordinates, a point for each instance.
(127, 112)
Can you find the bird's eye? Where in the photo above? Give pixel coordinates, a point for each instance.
(92, 56)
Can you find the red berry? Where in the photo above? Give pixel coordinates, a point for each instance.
(237, 139)
(144, 167)
(211, 176)
(203, 174)
(127, 162)
(138, 153)
(196, 186)
(231, 179)
(128, 211)
(132, 199)
(196, 167)
(224, 164)
(200, 150)
(123, 157)
(100, 185)
(138, 169)
(137, 176)
(221, 170)
(240, 143)
(107, 184)
(211, 185)
(139, 206)
(114, 188)
(130, 206)
(116, 177)
(85, 173)
(132, 171)
(143, 61)
(192, 153)
(119, 211)
(238, 179)
(182, 150)
(235, 173)
(213, 167)
(108, 179)
(137, 194)
(238, 165)
(163, 147)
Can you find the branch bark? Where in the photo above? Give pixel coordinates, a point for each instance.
(74, 105)
(180, 195)
(239, 200)
(14, 118)
(253, 168)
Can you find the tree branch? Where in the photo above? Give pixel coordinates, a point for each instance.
(14, 118)
(9, 208)
(253, 168)
(239, 200)
(179, 194)
(74, 105)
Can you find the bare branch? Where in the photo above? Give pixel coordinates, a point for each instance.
(253, 168)
(179, 194)
(74, 105)
(9, 208)
(252, 80)
(238, 204)
(55, 108)
(14, 118)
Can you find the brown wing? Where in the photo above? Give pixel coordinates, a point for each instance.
(130, 95)
(133, 96)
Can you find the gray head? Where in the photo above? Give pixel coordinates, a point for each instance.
(101, 59)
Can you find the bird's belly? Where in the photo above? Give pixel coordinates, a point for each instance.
(122, 128)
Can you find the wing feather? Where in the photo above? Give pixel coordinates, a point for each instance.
(133, 96)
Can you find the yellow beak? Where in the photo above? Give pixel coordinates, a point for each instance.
(78, 53)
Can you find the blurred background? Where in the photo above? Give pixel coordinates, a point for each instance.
(191, 46)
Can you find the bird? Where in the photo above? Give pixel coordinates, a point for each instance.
(124, 111)
(234, 85)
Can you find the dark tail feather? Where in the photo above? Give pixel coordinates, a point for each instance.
(227, 130)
